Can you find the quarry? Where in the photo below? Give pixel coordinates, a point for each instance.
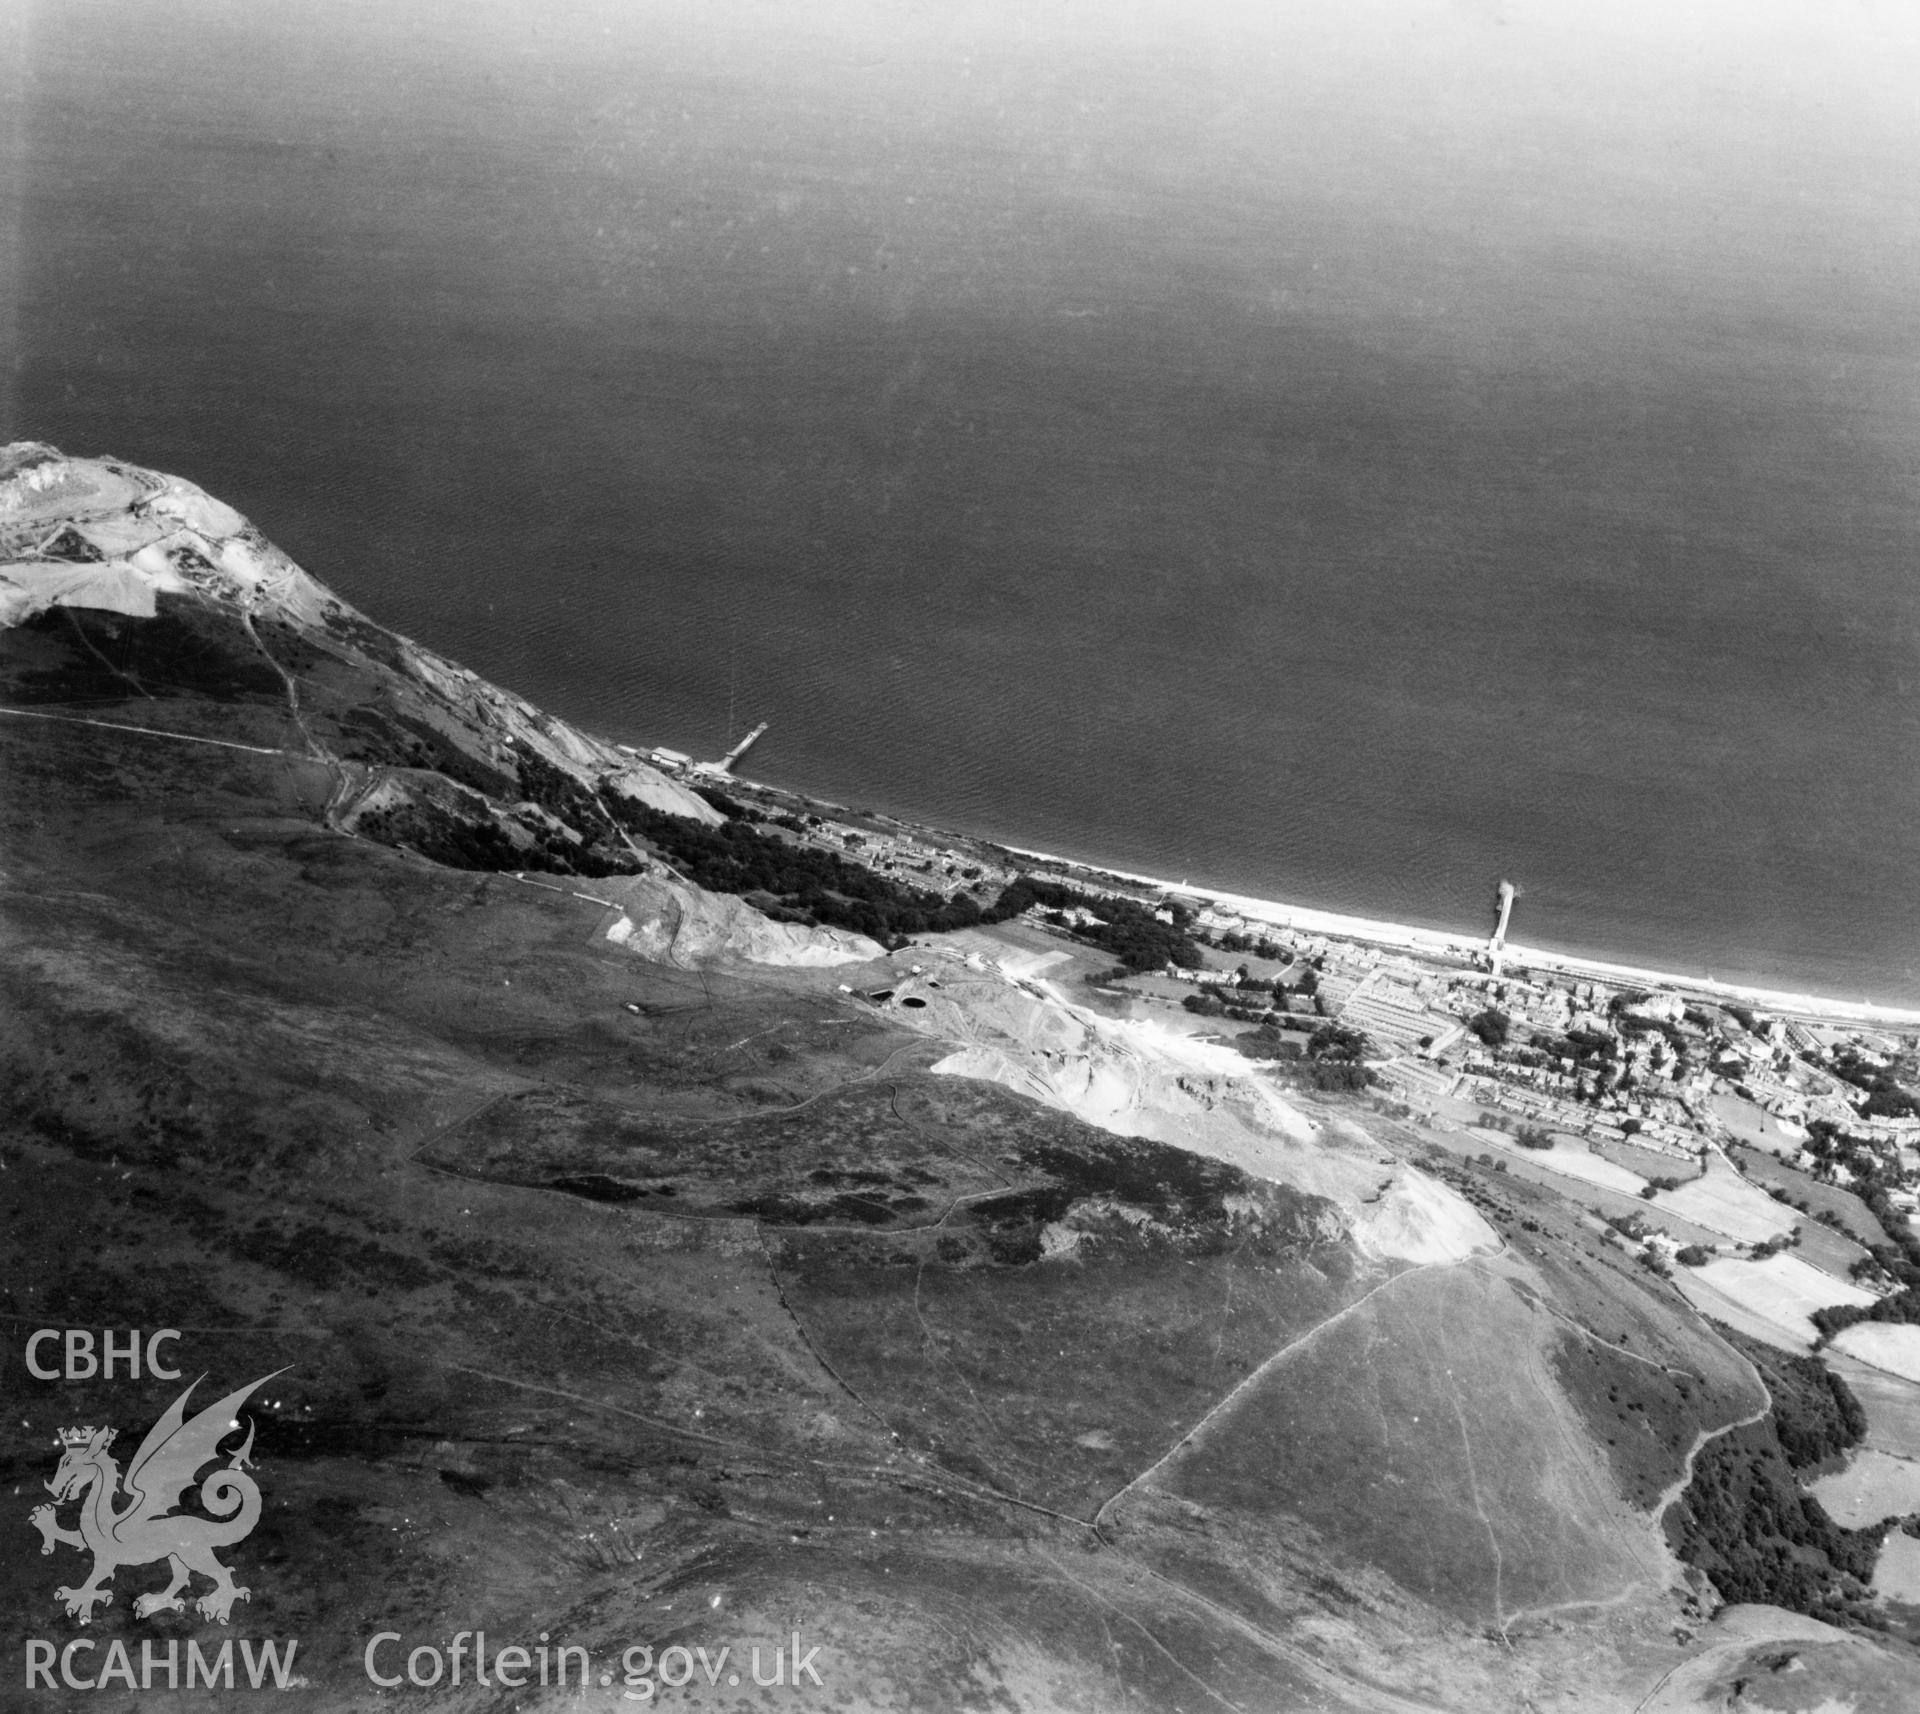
(648, 1258)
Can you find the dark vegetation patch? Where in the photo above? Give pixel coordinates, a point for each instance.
(1059, 1381)
(895, 1154)
(1745, 1520)
(425, 746)
(1900, 1309)
(473, 840)
(325, 1260)
(1126, 928)
(1145, 1195)
(292, 647)
(1746, 1523)
(373, 641)
(187, 649)
(1815, 1414)
(801, 883)
(71, 546)
(1644, 1417)
(871, 1155)
(598, 1187)
(385, 737)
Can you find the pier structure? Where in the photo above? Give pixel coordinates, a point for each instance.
(725, 764)
(1497, 946)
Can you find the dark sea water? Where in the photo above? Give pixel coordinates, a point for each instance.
(1314, 465)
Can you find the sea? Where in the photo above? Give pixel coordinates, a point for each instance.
(1348, 458)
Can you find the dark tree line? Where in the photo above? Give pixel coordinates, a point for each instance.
(1900, 1260)
(792, 882)
(1886, 1099)
(804, 883)
(1128, 929)
(1491, 1026)
(821, 887)
(1745, 1519)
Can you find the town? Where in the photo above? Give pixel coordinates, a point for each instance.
(1696, 1128)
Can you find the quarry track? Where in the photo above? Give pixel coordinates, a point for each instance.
(441, 1132)
(1323, 1677)
(315, 748)
(93, 649)
(1697, 1670)
(153, 732)
(891, 1467)
(1254, 1376)
(1354, 1691)
(1351, 1690)
(1161, 1648)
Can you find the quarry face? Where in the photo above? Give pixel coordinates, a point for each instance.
(639, 1272)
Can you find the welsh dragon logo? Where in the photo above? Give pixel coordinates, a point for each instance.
(150, 1526)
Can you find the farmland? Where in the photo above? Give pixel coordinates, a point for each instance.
(1770, 1300)
(1895, 1349)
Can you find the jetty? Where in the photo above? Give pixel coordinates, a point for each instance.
(725, 764)
(1498, 945)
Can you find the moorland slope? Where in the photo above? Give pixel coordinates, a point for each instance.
(660, 1286)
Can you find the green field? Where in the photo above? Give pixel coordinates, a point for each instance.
(1853, 1214)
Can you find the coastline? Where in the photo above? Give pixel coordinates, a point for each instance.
(1402, 937)
(1433, 942)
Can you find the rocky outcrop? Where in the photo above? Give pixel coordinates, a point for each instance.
(98, 533)
(670, 922)
(1139, 1078)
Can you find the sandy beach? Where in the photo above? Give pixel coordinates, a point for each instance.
(1404, 938)
(1443, 943)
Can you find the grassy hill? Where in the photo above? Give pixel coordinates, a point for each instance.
(633, 1303)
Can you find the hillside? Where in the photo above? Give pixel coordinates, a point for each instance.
(728, 1276)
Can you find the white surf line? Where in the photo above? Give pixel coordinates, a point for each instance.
(151, 732)
(1456, 943)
